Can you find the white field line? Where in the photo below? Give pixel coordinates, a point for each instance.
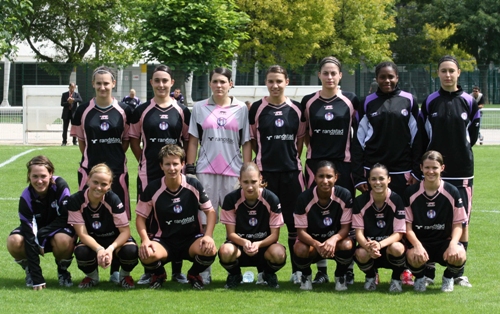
(13, 158)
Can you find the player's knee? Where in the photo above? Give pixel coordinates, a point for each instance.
(345, 244)
(227, 252)
(301, 249)
(84, 253)
(15, 244)
(62, 244)
(277, 254)
(128, 256)
(361, 255)
(396, 249)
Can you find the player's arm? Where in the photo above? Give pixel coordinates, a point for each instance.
(135, 146)
(271, 239)
(89, 241)
(192, 150)
(234, 237)
(125, 144)
(300, 146)
(305, 238)
(247, 151)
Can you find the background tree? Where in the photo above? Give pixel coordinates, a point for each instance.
(12, 15)
(71, 32)
(196, 35)
(285, 32)
(477, 30)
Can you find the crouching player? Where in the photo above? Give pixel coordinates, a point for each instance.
(102, 226)
(252, 215)
(323, 220)
(379, 221)
(44, 225)
(434, 217)
(174, 201)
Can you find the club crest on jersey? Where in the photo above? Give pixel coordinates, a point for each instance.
(328, 107)
(221, 122)
(177, 209)
(96, 225)
(104, 126)
(279, 123)
(380, 224)
(431, 213)
(163, 125)
(278, 113)
(404, 112)
(464, 116)
(253, 221)
(328, 116)
(327, 221)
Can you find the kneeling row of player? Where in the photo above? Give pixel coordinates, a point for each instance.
(167, 222)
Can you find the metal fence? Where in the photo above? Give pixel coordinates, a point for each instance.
(420, 80)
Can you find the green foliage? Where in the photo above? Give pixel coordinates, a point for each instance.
(12, 15)
(285, 32)
(194, 34)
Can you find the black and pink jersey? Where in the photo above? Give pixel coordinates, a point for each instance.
(450, 125)
(432, 217)
(254, 222)
(101, 222)
(276, 129)
(157, 127)
(329, 125)
(103, 131)
(175, 213)
(322, 222)
(379, 223)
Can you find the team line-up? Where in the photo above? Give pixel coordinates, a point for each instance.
(414, 169)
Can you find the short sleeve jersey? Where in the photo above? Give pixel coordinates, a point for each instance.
(101, 222)
(379, 223)
(103, 131)
(432, 217)
(175, 213)
(276, 130)
(222, 131)
(451, 126)
(255, 222)
(322, 222)
(330, 121)
(157, 127)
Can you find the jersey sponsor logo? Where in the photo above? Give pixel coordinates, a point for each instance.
(333, 132)
(379, 216)
(317, 131)
(404, 112)
(184, 221)
(176, 200)
(434, 114)
(283, 137)
(464, 116)
(96, 216)
(65, 202)
(279, 123)
(177, 209)
(96, 225)
(374, 114)
(120, 206)
(111, 140)
(168, 222)
(431, 213)
(401, 212)
(381, 224)
(224, 140)
(252, 212)
(460, 201)
(104, 126)
(93, 141)
(222, 112)
(329, 116)
(328, 107)
(258, 235)
(279, 206)
(278, 113)
(431, 204)
(253, 221)
(104, 117)
(163, 140)
(327, 221)
(164, 116)
(221, 122)
(325, 212)
(163, 125)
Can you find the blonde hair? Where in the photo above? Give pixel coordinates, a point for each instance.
(102, 168)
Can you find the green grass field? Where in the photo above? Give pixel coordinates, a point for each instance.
(248, 298)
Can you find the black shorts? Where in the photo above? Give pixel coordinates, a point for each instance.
(344, 178)
(287, 185)
(107, 241)
(48, 246)
(382, 261)
(177, 248)
(246, 261)
(435, 251)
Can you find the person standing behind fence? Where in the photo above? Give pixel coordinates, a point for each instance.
(479, 97)
(449, 120)
(277, 129)
(330, 114)
(131, 100)
(69, 102)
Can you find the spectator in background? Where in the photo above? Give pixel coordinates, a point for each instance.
(131, 100)
(249, 104)
(177, 95)
(478, 96)
(69, 102)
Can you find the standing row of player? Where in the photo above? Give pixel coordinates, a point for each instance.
(386, 127)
